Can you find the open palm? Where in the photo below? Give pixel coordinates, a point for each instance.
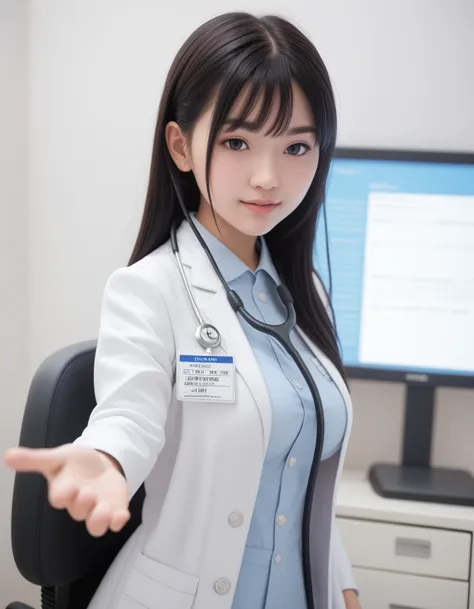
(81, 480)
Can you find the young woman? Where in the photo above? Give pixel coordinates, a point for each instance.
(239, 463)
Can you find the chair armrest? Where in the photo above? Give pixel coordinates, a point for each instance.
(17, 605)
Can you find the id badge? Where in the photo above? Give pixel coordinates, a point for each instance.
(206, 378)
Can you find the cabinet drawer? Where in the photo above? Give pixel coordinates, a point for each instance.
(407, 549)
(382, 590)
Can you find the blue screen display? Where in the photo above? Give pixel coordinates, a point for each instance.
(401, 243)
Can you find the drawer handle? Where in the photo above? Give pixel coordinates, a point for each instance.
(414, 548)
(392, 606)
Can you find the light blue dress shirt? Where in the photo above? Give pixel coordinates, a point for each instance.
(271, 575)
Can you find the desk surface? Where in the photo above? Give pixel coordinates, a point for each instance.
(357, 499)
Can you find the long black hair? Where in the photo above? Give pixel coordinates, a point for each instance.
(224, 56)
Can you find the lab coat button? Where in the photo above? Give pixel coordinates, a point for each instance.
(262, 297)
(292, 462)
(222, 586)
(278, 559)
(236, 520)
(281, 520)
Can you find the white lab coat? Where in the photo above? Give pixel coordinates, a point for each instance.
(201, 462)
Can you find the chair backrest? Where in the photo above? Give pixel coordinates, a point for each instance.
(50, 548)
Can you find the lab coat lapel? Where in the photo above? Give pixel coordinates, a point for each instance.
(211, 299)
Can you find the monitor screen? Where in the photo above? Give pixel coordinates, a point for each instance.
(401, 246)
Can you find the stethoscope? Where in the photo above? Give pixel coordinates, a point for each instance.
(208, 336)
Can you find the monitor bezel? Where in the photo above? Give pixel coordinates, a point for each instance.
(409, 376)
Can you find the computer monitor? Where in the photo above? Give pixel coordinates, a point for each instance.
(401, 245)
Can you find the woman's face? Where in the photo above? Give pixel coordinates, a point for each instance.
(256, 180)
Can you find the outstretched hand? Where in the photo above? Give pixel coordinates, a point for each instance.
(87, 483)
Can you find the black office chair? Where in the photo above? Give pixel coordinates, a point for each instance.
(51, 549)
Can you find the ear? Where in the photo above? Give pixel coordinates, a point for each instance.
(177, 146)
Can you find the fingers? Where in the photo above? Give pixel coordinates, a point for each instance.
(119, 520)
(69, 487)
(43, 460)
(62, 492)
(83, 504)
(103, 517)
(99, 519)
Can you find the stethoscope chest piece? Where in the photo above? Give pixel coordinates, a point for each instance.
(208, 336)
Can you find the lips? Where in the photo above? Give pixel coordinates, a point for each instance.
(262, 207)
(261, 202)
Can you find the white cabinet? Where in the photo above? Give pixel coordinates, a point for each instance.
(407, 549)
(405, 554)
(386, 590)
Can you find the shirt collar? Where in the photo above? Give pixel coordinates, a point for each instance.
(230, 265)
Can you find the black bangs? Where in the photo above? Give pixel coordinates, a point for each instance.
(271, 81)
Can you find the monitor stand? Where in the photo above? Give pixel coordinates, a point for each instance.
(415, 479)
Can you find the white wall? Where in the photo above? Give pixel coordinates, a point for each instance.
(403, 76)
(13, 260)
(403, 71)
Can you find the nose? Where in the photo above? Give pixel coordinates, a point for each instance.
(264, 174)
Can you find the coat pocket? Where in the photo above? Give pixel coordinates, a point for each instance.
(153, 585)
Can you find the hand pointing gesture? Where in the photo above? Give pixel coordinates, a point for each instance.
(87, 483)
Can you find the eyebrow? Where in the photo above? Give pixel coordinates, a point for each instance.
(251, 126)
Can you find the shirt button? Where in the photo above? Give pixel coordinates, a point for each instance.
(278, 559)
(262, 297)
(222, 586)
(236, 520)
(281, 520)
(292, 461)
(297, 384)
